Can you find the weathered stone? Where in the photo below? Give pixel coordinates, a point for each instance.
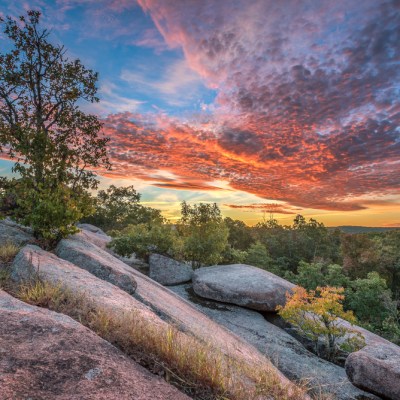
(86, 255)
(46, 355)
(242, 285)
(376, 368)
(91, 228)
(90, 234)
(11, 232)
(286, 353)
(168, 271)
(152, 301)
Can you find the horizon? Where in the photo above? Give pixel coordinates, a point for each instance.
(283, 109)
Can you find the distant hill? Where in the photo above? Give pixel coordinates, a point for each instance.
(364, 229)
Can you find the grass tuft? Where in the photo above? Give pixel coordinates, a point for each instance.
(8, 251)
(197, 368)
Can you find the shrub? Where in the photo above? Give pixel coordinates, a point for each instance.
(316, 314)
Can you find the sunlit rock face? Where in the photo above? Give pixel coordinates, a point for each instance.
(51, 356)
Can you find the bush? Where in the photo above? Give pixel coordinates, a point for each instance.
(316, 314)
(51, 211)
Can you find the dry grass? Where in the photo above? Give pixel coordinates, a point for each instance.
(196, 368)
(8, 251)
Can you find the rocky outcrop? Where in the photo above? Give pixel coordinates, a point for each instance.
(32, 262)
(11, 232)
(46, 355)
(168, 271)
(103, 265)
(376, 369)
(152, 301)
(242, 285)
(286, 353)
(92, 234)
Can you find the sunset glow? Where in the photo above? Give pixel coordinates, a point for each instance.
(265, 107)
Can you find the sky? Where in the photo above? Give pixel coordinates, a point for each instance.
(265, 107)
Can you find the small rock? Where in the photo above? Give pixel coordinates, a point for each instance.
(168, 271)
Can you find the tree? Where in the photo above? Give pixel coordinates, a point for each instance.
(258, 256)
(371, 300)
(204, 233)
(42, 128)
(119, 207)
(312, 275)
(316, 314)
(240, 237)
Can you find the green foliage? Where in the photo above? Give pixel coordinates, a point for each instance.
(205, 236)
(303, 241)
(233, 256)
(258, 256)
(41, 126)
(316, 314)
(370, 299)
(240, 236)
(51, 211)
(312, 275)
(144, 239)
(118, 207)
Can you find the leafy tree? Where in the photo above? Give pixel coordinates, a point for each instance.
(316, 314)
(118, 207)
(258, 256)
(42, 128)
(233, 256)
(370, 299)
(239, 234)
(312, 275)
(204, 233)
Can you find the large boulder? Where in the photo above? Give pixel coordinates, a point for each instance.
(242, 285)
(151, 300)
(46, 355)
(376, 369)
(11, 232)
(285, 352)
(103, 265)
(168, 271)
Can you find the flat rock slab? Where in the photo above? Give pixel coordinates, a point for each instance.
(45, 355)
(86, 255)
(168, 271)
(11, 232)
(285, 352)
(242, 285)
(376, 369)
